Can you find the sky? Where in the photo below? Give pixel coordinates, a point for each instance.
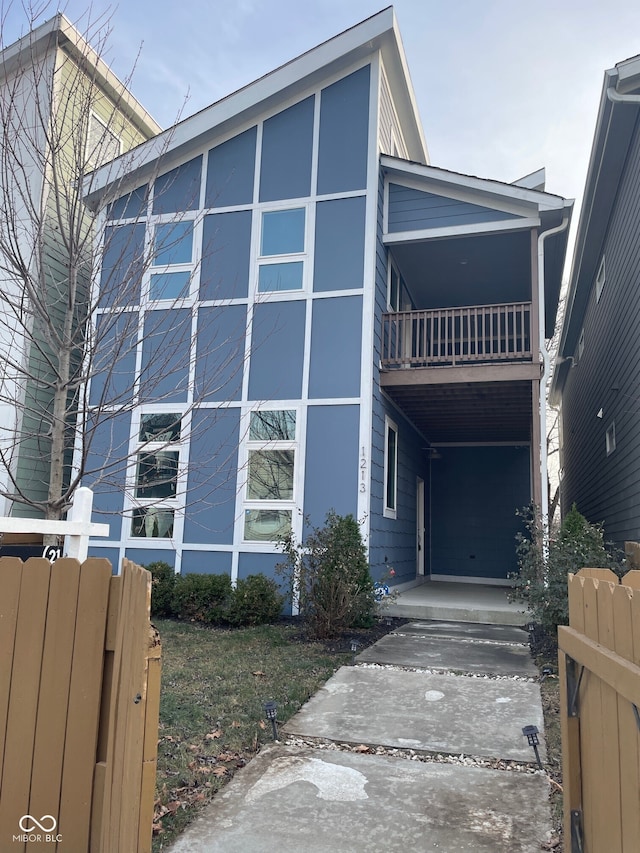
(503, 87)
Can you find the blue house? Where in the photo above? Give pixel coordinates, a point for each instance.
(595, 382)
(325, 321)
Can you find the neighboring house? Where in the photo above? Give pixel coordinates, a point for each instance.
(598, 367)
(391, 319)
(62, 113)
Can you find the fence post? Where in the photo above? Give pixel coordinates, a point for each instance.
(78, 545)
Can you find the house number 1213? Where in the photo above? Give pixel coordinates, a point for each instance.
(363, 472)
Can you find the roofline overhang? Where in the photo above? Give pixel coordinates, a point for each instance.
(443, 180)
(617, 118)
(378, 33)
(60, 32)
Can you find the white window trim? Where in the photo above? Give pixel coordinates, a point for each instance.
(600, 279)
(273, 444)
(192, 266)
(287, 258)
(610, 438)
(175, 503)
(95, 164)
(390, 512)
(392, 266)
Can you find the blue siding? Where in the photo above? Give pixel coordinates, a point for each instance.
(106, 467)
(606, 488)
(287, 142)
(206, 563)
(122, 265)
(165, 355)
(144, 556)
(230, 171)
(277, 351)
(114, 364)
(339, 247)
(220, 352)
(226, 247)
(344, 134)
(331, 470)
(392, 541)
(411, 210)
(211, 483)
(476, 492)
(179, 189)
(254, 564)
(111, 554)
(336, 340)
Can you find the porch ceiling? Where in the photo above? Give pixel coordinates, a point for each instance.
(468, 412)
(482, 269)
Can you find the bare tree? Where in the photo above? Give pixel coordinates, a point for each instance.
(70, 345)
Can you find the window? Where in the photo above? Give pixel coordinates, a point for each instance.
(398, 298)
(390, 468)
(393, 295)
(281, 266)
(271, 452)
(102, 143)
(172, 260)
(600, 279)
(610, 438)
(156, 477)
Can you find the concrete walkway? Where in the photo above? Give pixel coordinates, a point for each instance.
(394, 756)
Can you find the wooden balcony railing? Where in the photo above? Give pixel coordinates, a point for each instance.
(456, 336)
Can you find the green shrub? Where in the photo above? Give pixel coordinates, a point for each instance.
(329, 577)
(163, 579)
(202, 598)
(254, 601)
(541, 584)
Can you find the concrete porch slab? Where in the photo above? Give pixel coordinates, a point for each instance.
(463, 602)
(290, 799)
(461, 655)
(415, 710)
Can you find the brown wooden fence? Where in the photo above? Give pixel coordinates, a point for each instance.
(599, 670)
(79, 701)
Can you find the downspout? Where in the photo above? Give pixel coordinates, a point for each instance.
(544, 508)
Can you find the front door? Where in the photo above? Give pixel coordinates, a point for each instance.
(419, 526)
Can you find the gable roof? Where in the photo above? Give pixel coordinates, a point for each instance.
(618, 114)
(378, 33)
(60, 32)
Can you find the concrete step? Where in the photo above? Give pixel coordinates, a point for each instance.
(461, 602)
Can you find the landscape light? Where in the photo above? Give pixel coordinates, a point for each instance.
(354, 649)
(531, 734)
(271, 713)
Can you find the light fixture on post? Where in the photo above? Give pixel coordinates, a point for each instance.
(531, 734)
(271, 713)
(354, 650)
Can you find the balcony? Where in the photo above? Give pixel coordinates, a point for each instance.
(452, 337)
